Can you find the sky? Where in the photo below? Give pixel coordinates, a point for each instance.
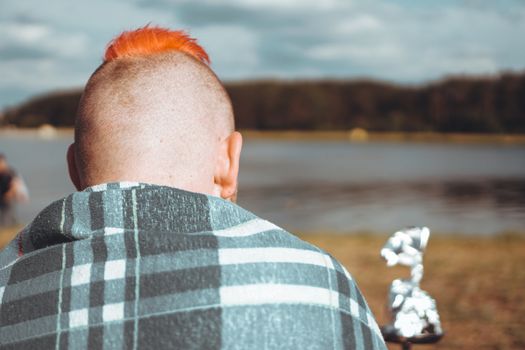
(56, 44)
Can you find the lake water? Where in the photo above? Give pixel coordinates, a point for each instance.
(338, 186)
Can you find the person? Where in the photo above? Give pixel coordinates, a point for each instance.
(152, 252)
(12, 190)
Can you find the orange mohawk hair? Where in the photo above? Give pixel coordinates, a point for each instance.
(153, 40)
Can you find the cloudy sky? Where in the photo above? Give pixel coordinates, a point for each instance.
(56, 44)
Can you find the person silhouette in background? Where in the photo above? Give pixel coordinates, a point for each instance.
(153, 252)
(12, 190)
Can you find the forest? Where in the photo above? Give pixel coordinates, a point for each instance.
(494, 104)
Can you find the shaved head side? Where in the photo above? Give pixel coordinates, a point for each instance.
(156, 118)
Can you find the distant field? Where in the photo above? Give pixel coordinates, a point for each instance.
(478, 284)
(354, 135)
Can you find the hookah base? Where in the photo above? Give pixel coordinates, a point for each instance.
(390, 335)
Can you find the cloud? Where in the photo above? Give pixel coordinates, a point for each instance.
(20, 52)
(385, 40)
(360, 24)
(20, 40)
(25, 32)
(231, 48)
(59, 43)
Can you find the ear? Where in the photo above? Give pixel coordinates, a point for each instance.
(72, 167)
(227, 167)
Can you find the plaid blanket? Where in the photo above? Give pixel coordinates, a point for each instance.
(136, 266)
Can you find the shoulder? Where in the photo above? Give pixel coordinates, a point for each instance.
(244, 238)
(275, 275)
(262, 263)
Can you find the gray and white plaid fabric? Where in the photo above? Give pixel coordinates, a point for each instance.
(136, 266)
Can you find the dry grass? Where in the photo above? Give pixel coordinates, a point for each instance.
(478, 284)
(7, 234)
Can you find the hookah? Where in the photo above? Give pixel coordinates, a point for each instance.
(414, 315)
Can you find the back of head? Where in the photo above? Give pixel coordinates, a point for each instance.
(152, 112)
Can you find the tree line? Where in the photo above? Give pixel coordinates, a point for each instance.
(459, 104)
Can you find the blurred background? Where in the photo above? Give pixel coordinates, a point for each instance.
(359, 117)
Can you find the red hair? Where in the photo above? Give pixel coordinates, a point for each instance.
(153, 40)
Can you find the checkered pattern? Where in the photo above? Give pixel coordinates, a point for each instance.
(137, 266)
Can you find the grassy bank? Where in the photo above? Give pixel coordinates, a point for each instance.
(478, 284)
(7, 234)
(354, 135)
(360, 135)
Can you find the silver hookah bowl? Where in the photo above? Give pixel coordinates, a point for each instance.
(414, 315)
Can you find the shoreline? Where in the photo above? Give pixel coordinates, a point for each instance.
(351, 136)
(362, 136)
